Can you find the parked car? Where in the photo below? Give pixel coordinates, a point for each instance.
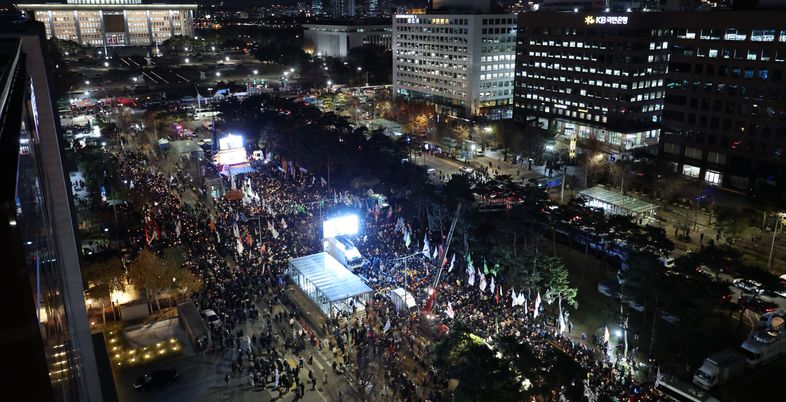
(666, 261)
(154, 379)
(466, 169)
(747, 285)
(211, 317)
(756, 305)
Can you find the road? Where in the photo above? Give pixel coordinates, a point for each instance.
(202, 376)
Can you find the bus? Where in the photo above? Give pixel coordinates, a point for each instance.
(681, 391)
(201, 114)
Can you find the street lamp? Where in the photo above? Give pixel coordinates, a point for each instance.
(87, 82)
(226, 58)
(106, 64)
(218, 73)
(256, 72)
(212, 48)
(330, 82)
(778, 222)
(187, 60)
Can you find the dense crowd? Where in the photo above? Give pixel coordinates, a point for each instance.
(240, 247)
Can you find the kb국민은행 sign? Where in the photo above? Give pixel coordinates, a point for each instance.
(605, 20)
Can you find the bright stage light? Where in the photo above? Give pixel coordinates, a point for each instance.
(342, 225)
(231, 141)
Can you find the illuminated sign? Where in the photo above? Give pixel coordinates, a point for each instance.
(605, 20)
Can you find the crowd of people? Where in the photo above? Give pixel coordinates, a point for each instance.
(240, 247)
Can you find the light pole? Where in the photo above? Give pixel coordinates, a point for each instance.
(778, 222)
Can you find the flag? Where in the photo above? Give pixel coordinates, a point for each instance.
(239, 246)
(471, 279)
(235, 229)
(496, 269)
(407, 239)
(452, 261)
(274, 232)
(322, 181)
(498, 293)
(482, 282)
(658, 375)
(492, 286)
(387, 326)
(399, 223)
(537, 306)
(434, 255)
(283, 223)
(514, 298)
(441, 251)
(450, 313)
(485, 267)
(606, 334)
(426, 249)
(277, 377)
(177, 229)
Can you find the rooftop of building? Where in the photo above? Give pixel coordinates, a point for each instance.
(342, 22)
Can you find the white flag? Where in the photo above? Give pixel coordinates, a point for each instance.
(537, 306)
(492, 285)
(471, 279)
(606, 334)
(658, 375)
(426, 249)
(239, 246)
(452, 261)
(450, 313)
(177, 229)
(482, 283)
(434, 256)
(283, 223)
(387, 327)
(323, 181)
(274, 232)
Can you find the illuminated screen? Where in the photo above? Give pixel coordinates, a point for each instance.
(343, 225)
(230, 142)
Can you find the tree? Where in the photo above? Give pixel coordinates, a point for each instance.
(155, 273)
(461, 132)
(102, 279)
(480, 373)
(557, 286)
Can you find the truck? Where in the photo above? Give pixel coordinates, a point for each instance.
(680, 391)
(402, 300)
(720, 368)
(342, 249)
(763, 346)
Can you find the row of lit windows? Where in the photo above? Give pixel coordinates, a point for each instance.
(733, 34)
(418, 85)
(498, 49)
(497, 67)
(564, 112)
(430, 71)
(494, 94)
(503, 57)
(498, 39)
(431, 38)
(496, 84)
(738, 54)
(434, 30)
(495, 76)
(435, 21)
(427, 47)
(604, 32)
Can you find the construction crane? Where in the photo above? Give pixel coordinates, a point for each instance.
(429, 305)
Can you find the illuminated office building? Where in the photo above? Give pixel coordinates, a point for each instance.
(599, 76)
(113, 22)
(724, 118)
(463, 63)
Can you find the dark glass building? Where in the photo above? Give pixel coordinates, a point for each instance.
(592, 75)
(45, 338)
(724, 119)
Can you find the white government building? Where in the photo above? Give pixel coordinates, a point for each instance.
(113, 22)
(463, 63)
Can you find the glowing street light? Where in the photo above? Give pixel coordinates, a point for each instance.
(87, 82)
(226, 58)
(256, 72)
(134, 79)
(213, 48)
(187, 60)
(330, 82)
(218, 73)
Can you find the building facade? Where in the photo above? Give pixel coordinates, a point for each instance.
(724, 120)
(462, 63)
(45, 328)
(336, 40)
(105, 23)
(593, 76)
